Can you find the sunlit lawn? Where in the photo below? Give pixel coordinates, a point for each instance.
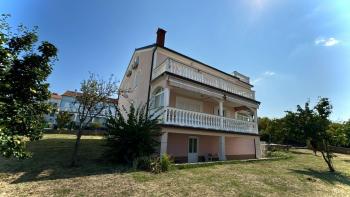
(47, 174)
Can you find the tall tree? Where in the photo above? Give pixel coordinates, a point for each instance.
(91, 102)
(25, 65)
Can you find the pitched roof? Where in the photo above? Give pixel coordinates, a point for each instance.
(56, 96)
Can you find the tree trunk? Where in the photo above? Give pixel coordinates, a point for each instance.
(76, 147)
(328, 160)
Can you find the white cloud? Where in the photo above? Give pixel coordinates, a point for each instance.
(269, 73)
(263, 76)
(327, 42)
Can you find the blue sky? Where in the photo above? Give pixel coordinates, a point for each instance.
(292, 50)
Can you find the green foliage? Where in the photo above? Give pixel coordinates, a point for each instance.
(24, 68)
(95, 125)
(95, 97)
(152, 164)
(63, 119)
(278, 154)
(307, 125)
(155, 165)
(142, 163)
(134, 137)
(165, 162)
(281, 131)
(338, 134)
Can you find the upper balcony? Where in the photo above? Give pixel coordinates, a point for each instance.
(178, 68)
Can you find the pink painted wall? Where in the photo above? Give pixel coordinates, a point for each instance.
(239, 146)
(178, 144)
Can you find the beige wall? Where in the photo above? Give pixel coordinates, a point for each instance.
(138, 94)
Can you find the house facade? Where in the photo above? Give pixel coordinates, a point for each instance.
(207, 114)
(67, 102)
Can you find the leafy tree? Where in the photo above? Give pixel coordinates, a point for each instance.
(338, 135)
(63, 119)
(134, 137)
(91, 102)
(314, 123)
(293, 135)
(24, 68)
(262, 125)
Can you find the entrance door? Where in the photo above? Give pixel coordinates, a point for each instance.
(192, 149)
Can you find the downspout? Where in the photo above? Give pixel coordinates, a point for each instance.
(150, 79)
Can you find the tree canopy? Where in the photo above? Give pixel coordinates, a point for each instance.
(25, 65)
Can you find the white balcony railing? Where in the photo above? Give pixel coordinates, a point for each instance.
(174, 116)
(192, 73)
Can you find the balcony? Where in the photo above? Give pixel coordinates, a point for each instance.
(175, 67)
(179, 117)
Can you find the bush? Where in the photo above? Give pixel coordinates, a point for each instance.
(152, 164)
(63, 119)
(95, 126)
(165, 163)
(134, 137)
(142, 163)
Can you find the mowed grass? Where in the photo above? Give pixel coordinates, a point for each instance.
(47, 174)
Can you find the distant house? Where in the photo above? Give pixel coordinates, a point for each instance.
(67, 102)
(55, 102)
(208, 114)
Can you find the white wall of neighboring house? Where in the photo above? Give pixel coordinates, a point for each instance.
(69, 104)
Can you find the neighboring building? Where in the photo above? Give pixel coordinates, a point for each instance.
(207, 113)
(55, 102)
(67, 102)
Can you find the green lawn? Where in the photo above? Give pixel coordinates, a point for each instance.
(47, 174)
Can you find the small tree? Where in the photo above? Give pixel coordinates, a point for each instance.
(314, 123)
(24, 68)
(91, 102)
(63, 119)
(134, 137)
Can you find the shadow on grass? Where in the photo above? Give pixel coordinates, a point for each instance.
(51, 159)
(347, 160)
(326, 176)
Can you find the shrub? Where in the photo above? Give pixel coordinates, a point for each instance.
(63, 119)
(134, 137)
(165, 163)
(142, 163)
(155, 165)
(95, 125)
(152, 164)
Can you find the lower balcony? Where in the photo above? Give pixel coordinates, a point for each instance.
(180, 117)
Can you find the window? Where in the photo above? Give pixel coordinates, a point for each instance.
(192, 145)
(158, 98)
(188, 104)
(243, 117)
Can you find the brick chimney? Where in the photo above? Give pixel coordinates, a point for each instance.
(160, 37)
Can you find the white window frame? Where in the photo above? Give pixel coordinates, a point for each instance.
(243, 116)
(159, 94)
